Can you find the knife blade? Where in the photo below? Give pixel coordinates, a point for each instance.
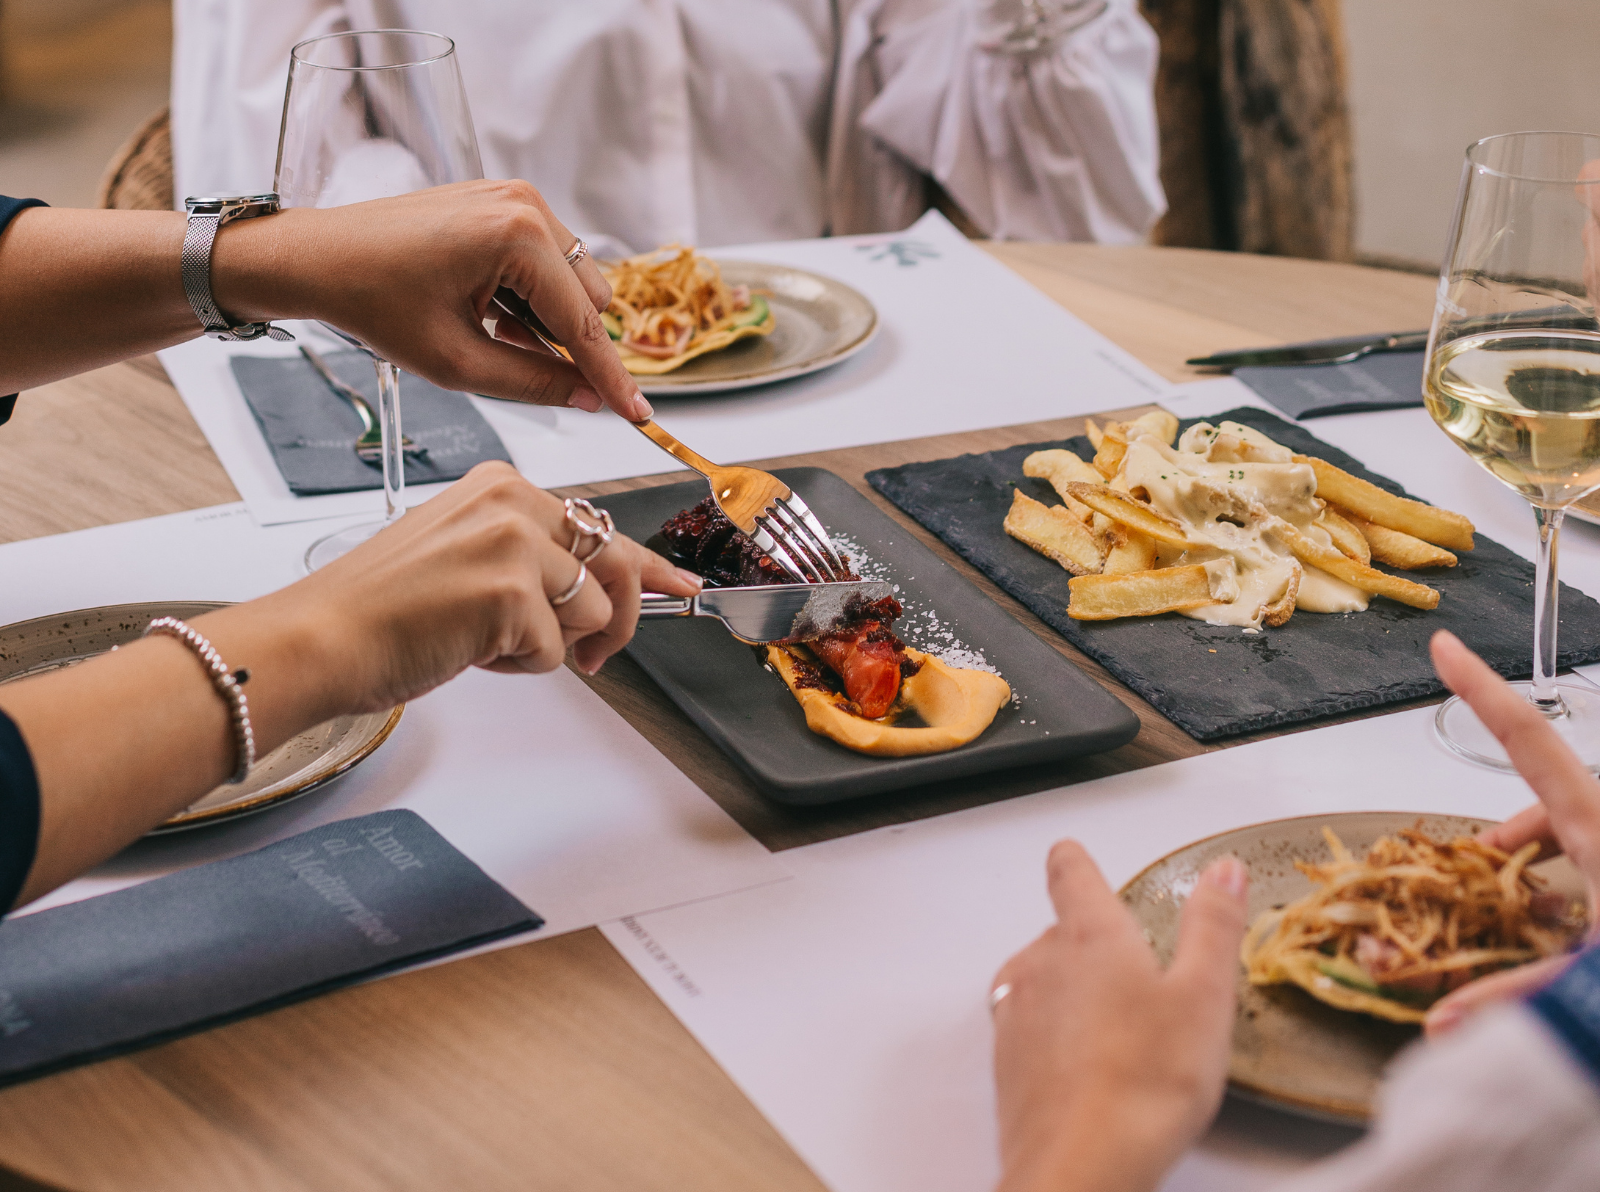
(773, 612)
(1320, 351)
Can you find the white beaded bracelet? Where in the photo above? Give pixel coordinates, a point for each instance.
(228, 685)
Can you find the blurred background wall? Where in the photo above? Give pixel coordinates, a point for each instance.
(1426, 77)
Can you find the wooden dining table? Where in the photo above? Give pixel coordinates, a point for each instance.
(550, 1064)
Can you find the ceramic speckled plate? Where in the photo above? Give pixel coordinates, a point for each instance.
(295, 768)
(1290, 1050)
(820, 322)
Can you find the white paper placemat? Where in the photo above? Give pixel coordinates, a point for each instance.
(965, 343)
(533, 777)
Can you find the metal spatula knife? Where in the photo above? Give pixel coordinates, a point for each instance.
(772, 613)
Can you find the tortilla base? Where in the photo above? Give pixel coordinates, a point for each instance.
(1301, 969)
(649, 366)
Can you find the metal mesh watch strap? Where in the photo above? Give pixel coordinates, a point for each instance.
(198, 239)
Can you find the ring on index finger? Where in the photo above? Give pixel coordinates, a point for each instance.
(997, 995)
(579, 250)
(588, 523)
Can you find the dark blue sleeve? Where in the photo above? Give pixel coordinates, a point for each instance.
(19, 812)
(8, 211)
(1571, 1006)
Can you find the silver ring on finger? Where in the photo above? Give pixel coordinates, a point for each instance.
(577, 586)
(598, 528)
(997, 995)
(577, 252)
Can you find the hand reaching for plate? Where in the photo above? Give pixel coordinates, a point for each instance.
(1566, 818)
(1106, 1066)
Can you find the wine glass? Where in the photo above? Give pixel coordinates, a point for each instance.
(1513, 376)
(368, 115)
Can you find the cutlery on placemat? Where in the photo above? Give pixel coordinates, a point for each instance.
(1321, 351)
(774, 612)
(369, 446)
(762, 506)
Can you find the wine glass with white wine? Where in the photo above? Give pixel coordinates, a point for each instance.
(369, 115)
(1513, 376)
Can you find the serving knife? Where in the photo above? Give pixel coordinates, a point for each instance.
(772, 612)
(1320, 351)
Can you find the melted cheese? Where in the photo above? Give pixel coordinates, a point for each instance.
(1208, 483)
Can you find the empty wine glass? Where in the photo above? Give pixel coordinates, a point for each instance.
(1513, 376)
(368, 115)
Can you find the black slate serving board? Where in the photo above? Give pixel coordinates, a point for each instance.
(1215, 680)
(723, 686)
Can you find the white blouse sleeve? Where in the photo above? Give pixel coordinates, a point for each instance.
(230, 61)
(1500, 1105)
(1054, 144)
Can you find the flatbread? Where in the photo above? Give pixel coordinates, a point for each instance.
(714, 341)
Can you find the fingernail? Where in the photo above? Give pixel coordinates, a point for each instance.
(1228, 874)
(584, 398)
(594, 670)
(1442, 1018)
(641, 408)
(690, 577)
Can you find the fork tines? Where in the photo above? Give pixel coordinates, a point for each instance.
(797, 540)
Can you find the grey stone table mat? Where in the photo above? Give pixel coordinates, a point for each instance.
(311, 430)
(220, 941)
(1381, 381)
(1217, 681)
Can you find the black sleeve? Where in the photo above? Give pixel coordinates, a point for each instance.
(19, 812)
(8, 402)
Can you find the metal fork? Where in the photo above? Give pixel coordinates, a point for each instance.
(369, 447)
(766, 509)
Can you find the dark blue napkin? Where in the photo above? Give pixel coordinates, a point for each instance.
(1381, 381)
(311, 430)
(181, 953)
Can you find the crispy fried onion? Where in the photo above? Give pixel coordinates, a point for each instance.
(663, 298)
(1411, 921)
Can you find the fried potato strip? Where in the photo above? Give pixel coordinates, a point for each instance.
(1055, 533)
(1327, 559)
(1394, 548)
(1139, 593)
(1124, 510)
(1371, 503)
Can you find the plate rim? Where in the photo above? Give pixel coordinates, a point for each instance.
(1331, 1108)
(660, 386)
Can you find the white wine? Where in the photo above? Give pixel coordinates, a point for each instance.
(1525, 405)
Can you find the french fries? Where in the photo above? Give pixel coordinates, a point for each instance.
(1130, 551)
(1061, 468)
(1124, 510)
(1395, 548)
(1055, 533)
(1122, 518)
(1138, 594)
(1346, 535)
(1371, 503)
(1325, 558)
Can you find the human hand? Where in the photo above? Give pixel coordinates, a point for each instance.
(414, 276)
(466, 580)
(1106, 1067)
(1566, 818)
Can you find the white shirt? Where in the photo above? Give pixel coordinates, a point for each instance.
(1500, 1105)
(725, 121)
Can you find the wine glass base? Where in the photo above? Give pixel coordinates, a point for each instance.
(325, 550)
(1460, 730)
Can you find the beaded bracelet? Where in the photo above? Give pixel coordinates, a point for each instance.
(228, 684)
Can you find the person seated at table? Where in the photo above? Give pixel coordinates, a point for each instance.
(1108, 1068)
(709, 123)
(483, 575)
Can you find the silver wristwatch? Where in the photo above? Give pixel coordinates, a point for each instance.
(206, 215)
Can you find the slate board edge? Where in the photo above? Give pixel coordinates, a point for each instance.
(887, 481)
(126, 1047)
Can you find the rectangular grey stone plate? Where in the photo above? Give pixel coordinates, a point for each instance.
(1215, 680)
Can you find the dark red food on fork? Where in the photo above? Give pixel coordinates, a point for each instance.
(868, 658)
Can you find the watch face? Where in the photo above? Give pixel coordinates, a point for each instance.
(216, 205)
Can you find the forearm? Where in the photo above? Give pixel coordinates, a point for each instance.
(81, 289)
(123, 741)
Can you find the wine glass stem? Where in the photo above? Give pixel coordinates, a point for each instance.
(1543, 693)
(394, 460)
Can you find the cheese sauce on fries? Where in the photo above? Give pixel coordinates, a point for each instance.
(1215, 483)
